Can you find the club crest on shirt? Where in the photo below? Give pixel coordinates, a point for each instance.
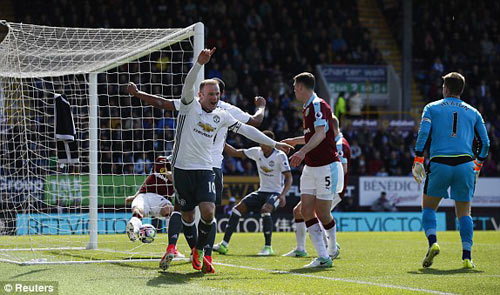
(318, 115)
(206, 127)
(271, 163)
(216, 119)
(163, 170)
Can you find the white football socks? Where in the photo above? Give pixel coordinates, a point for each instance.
(301, 235)
(316, 236)
(332, 239)
(136, 222)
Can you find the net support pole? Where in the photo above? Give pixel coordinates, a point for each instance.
(93, 118)
(198, 46)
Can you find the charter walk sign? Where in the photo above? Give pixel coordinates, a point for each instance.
(371, 80)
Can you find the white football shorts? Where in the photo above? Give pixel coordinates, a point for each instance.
(150, 203)
(324, 182)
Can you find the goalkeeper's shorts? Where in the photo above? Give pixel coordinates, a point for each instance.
(460, 179)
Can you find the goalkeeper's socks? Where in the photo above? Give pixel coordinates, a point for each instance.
(429, 224)
(300, 234)
(211, 239)
(204, 231)
(231, 225)
(316, 235)
(267, 224)
(190, 233)
(174, 228)
(466, 232)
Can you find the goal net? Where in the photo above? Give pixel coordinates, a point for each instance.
(74, 144)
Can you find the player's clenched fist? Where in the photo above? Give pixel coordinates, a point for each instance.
(132, 88)
(260, 102)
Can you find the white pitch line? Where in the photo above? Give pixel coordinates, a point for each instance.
(336, 279)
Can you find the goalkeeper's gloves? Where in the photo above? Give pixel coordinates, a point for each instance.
(477, 167)
(418, 169)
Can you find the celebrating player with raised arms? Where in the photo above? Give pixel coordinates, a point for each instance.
(275, 181)
(194, 179)
(175, 223)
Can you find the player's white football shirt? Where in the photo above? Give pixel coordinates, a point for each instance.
(195, 134)
(220, 138)
(270, 169)
(177, 104)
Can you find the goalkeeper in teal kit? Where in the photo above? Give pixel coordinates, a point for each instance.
(448, 127)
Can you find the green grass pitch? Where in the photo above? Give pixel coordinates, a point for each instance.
(370, 263)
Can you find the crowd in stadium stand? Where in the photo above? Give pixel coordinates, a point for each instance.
(261, 45)
(461, 36)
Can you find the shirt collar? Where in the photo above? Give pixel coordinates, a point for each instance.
(199, 109)
(453, 98)
(263, 154)
(313, 96)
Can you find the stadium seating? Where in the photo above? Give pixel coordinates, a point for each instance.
(257, 56)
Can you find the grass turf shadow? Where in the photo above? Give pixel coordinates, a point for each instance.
(433, 271)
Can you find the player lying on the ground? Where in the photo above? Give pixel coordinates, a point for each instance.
(344, 152)
(275, 181)
(151, 200)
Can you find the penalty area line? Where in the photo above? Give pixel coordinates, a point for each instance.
(336, 279)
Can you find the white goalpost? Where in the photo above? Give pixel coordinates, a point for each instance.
(74, 144)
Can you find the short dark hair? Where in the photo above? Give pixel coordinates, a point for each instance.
(222, 85)
(208, 82)
(455, 83)
(307, 79)
(269, 134)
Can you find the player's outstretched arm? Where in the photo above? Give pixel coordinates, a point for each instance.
(295, 141)
(187, 95)
(258, 117)
(316, 139)
(256, 135)
(154, 100)
(236, 153)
